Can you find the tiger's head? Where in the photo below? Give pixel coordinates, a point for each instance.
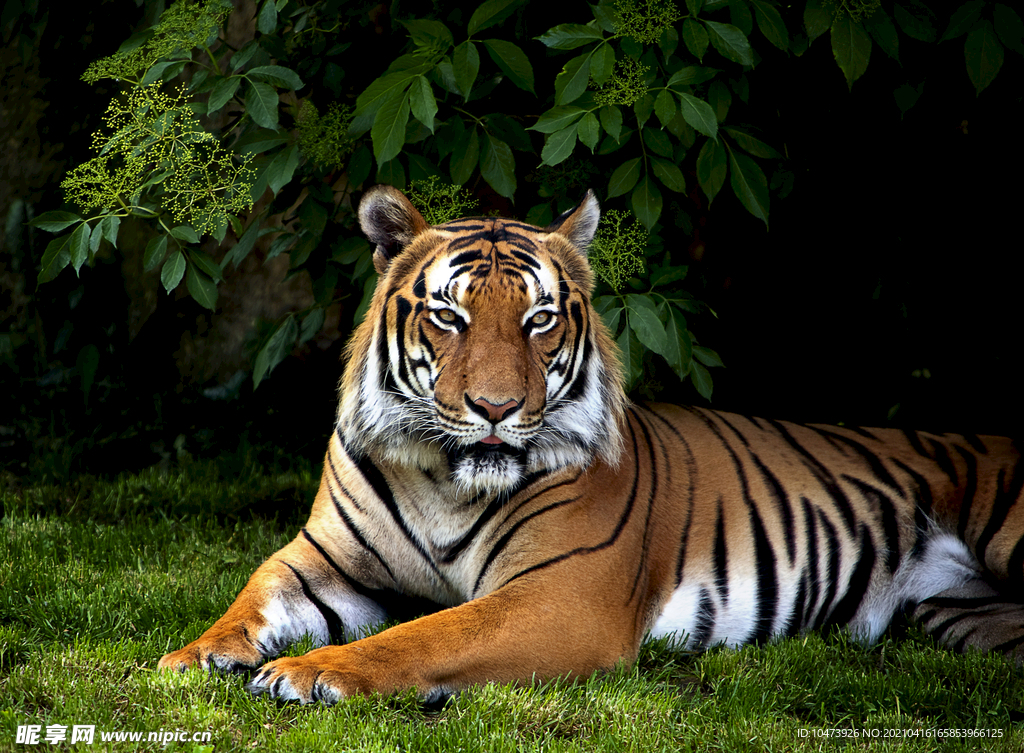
(481, 353)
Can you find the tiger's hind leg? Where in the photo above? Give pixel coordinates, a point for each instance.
(976, 615)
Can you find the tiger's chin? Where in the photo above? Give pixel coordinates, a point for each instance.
(488, 468)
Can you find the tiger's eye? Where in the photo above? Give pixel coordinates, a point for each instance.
(447, 315)
(541, 318)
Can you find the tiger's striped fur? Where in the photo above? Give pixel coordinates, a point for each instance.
(486, 461)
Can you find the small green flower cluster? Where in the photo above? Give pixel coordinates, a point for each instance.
(440, 202)
(183, 26)
(155, 140)
(644, 20)
(857, 10)
(625, 86)
(324, 139)
(617, 251)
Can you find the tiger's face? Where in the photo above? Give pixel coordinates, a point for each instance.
(481, 355)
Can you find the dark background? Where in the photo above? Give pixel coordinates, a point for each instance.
(884, 293)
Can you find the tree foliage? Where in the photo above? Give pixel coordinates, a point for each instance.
(504, 102)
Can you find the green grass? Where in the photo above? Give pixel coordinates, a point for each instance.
(90, 598)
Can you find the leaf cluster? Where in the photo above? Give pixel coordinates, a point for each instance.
(650, 102)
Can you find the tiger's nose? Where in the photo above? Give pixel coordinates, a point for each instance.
(490, 411)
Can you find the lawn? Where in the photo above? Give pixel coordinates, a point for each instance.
(98, 578)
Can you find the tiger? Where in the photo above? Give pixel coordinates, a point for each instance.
(490, 490)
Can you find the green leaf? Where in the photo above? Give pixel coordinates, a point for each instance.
(465, 66)
(963, 19)
(749, 184)
(906, 96)
(87, 362)
(611, 120)
(883, 31)
(56, 256)
(431, 37)
(498, 166)
(266, 20)
(206, 264)
(712, 166)
(701, 379)
(1009, 27)
(185, 234)
(624, 178)
(602, 63)
(490, 13)
(692, 75)
(465, 158)
(644, 320)
(695, 36)
(173, 270)
(388, 132)
(707, 356)
(570, 36)
(201, 288)
(589, 130)
(752, 145)
(78, 245)
(572, 81)
(658, 141)
(382, 90)
(669, 174)
(277, 75)
(646, 202)
(851, 47)
(167, 68)
(108, 227)
(693, 7)
(559, 145)
(770, 22)
(282, 168)
(665, 107)
(678, 342)
(512, 61)
(730, 42)
(699, 115)
(984, 55)
(156, 250)
(817, 19)
(632, 355)
(54, 221)
(557, 118)
(222, 92)
(261, 104)
(422, 102)
(311, 324)
(611, 317)
(916, 20)
(278, 346)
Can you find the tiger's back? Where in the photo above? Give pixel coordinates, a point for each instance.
(485, 459)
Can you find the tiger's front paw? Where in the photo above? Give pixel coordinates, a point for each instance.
(320, 675)
(231, 651)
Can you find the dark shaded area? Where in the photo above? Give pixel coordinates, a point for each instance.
(884, 293)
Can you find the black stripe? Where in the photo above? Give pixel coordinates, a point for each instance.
(349, 523)
(887, 511)
(652, 495)
(874, 463)
(973, 602)
(922, 494)
(812, 573)
(1001, 506)
(858, 583)
(915, 441)
(1009, 645)
(705, 624)
(619, 527)
(970, 487)
(380, 486)
(335, 629)
(782, 505)
(833, 570)
(721, 557)
(767, 585)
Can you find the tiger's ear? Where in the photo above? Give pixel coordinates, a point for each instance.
(390, 222)
(579, 223)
